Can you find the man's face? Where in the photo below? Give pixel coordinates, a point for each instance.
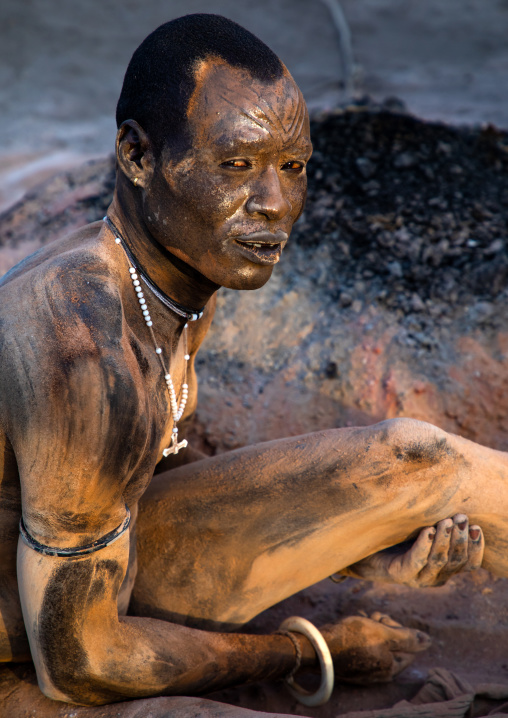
(227, 207)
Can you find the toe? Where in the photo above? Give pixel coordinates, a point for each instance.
(385, 619)
(407, 640)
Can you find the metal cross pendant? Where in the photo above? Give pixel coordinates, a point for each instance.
(175, 445)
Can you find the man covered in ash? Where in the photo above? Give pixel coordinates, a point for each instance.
(127, 556)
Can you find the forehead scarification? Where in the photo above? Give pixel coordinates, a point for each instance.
(284, 127)
(281, 114)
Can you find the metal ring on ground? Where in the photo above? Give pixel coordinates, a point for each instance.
(323, 693)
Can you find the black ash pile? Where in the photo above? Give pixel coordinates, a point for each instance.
(414, 214)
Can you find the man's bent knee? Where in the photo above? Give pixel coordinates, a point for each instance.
(414, 444)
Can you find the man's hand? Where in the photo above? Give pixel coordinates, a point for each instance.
(438, 553)
(372, 650)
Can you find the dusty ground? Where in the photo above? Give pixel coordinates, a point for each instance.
(390, 300)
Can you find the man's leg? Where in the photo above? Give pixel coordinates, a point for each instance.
(222, 539)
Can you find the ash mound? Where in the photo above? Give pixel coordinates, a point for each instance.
(410, 211)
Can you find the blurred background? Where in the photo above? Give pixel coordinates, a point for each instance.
(62, 65)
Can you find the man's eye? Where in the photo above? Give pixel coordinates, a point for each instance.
(236, 163)
(293, 165)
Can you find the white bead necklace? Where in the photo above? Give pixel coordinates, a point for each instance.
(177, 407)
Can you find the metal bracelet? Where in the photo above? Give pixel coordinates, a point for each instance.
(306, 628)
(106, 540)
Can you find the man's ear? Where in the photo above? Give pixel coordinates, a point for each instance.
(134, 153)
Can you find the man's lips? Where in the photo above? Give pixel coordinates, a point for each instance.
(262, 247)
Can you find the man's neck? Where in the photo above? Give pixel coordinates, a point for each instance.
(173, 276)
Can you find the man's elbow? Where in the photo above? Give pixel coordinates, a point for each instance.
(77, 684)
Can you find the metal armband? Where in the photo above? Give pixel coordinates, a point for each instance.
(106, 540)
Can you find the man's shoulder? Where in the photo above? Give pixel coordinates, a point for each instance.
(78, 287)
(61, 320)
(62, 333)
(61, 292)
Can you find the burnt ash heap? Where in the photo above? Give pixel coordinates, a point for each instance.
(414, 213)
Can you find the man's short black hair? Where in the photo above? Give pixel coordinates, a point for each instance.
(159, 80)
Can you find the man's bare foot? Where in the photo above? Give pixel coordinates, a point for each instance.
(438, 553)
(372, 650)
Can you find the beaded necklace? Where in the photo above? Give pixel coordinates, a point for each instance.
(136, 272)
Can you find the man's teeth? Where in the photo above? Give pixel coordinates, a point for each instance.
(265, 246)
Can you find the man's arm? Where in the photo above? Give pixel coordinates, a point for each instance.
(84, 653)
(80, 430)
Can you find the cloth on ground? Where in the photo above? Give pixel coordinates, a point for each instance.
(444, 695)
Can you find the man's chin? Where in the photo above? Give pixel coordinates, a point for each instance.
(250, 279)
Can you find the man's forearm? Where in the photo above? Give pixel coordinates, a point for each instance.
(85, 654)
(148, 657)
(191, 661)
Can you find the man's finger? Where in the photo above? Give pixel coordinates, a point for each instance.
(475, 548)
(438, 555)
(457, 556)
(416, 558)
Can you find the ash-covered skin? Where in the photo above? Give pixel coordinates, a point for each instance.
(84, 420)
(244, 174)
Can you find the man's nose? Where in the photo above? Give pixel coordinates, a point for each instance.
(267, 198)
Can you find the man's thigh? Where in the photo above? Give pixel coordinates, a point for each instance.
(222, 539)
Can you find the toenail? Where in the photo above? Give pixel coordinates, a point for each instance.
(462, 525)
(475, 534)
(449, 529)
